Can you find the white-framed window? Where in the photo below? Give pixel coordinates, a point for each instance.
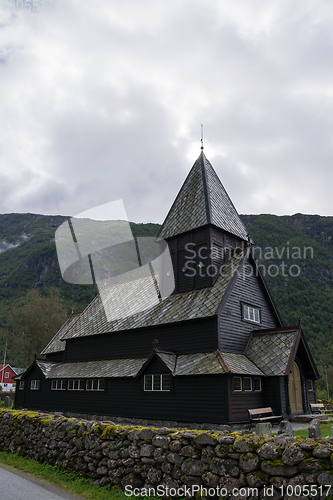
(310, 385)
(251, 313)
(21, 385)
(247, 384)
(157, 382)
(59, 385)
(237, 382)
(75, 384)
(95, 384)
(6, 374)
(257, 384)
(34, 385)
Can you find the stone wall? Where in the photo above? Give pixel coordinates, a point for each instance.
(173, 462)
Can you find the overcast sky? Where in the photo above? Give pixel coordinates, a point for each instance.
(103, 99)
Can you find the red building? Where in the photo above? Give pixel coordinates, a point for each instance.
(6, 378)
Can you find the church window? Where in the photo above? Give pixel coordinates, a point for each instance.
(58, 385)
(247, 384)
(95, 384)
(21, 385)
(157, 382)
(251, 313)
(75, 384)
(310, 385)
(34, 385)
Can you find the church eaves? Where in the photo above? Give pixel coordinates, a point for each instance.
(202, 200)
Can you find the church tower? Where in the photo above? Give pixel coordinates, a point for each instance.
(201, 229)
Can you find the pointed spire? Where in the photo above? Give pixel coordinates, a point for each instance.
(202, 200)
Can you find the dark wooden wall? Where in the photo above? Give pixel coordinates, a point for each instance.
(234, 332)
(273, 387)
(208, 246)
(19, 397)
(32, 399)
(189, 257)
(180, 338)
(55, 356)
(192, 399)
(240, 402)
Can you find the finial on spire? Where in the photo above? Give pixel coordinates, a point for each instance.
(202, 146)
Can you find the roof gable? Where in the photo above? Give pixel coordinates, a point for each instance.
(202, 200)
(42, 365)
(272, 351)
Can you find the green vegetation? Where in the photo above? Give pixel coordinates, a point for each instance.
(325, 431)
(79, 486)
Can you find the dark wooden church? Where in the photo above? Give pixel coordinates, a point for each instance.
(211, 350)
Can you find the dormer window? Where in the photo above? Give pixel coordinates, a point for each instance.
(251, 313)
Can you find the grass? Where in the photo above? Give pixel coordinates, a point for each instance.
(325, 431)
(69, 481)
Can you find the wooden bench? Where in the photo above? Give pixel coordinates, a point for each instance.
(319, 408)
(258, 415)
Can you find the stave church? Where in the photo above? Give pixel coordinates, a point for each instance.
(209, 351)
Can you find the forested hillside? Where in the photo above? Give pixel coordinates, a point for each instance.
(295, 253)
(29, 271)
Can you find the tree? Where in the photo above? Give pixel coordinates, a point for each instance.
(34, 322)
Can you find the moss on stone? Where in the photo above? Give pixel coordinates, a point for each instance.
(258, 473)
(46, 420)
(278, 462)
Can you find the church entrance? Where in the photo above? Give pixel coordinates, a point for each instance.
(295, 390)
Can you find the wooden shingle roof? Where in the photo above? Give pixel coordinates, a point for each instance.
(56, 344)
(202, 200)
(179, 307)
(272, 351)
(187, 364)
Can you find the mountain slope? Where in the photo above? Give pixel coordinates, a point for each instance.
(295, 254)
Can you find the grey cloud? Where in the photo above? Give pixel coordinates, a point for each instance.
(106, 103)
